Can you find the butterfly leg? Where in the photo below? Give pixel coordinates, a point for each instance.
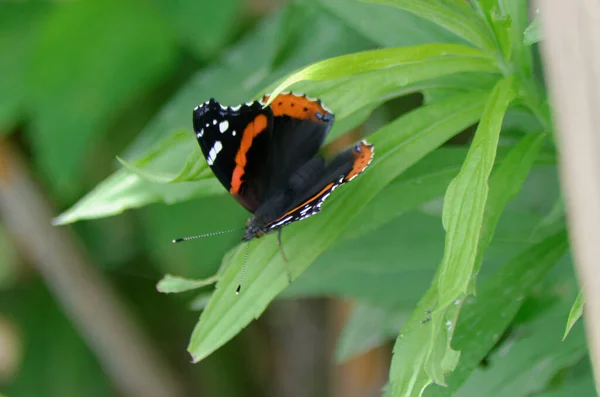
(287, 264)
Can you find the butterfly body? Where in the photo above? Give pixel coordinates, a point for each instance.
(266, 157)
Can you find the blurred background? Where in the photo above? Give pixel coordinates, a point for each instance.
(83, 82)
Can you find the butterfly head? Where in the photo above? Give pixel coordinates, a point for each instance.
(253, 229)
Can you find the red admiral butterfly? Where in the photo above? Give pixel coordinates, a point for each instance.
(266, 157)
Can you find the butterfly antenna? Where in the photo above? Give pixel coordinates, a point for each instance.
(180, 240)
(237, 291)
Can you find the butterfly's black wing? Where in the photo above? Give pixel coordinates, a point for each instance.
(310, 186)
(300, 125)
(235, 142)
(254, 151)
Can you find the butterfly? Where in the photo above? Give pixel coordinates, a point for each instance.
(266, 157)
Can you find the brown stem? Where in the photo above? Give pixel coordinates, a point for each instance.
(121, 346)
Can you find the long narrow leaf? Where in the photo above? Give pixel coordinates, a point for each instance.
(398, 145)
(426, 355)
(408, 375)
(457, 18)
(505, 185)
(575, 314)
(370, 61)
(466, 197)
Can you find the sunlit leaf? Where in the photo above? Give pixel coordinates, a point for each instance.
(173, 284)
(370, 61)
(465, 200)
(398, 145)
(457, 17)
(533, 33)
(575, 314)
(125, 190)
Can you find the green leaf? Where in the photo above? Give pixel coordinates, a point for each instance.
(124, 190)
(383, 60)
(148, 180)
(174, 284)
(398, 145)
(482, 321)
(377, 276)
(162, 164)
(77, 88)
(575, 314)
(506, 183)
(387, 26)
(458, 18)
(446, 86)
(423, 182)
(518, 12)
(358, 91)
(465, 200)
(530, 360)
(533, 33)
(391, 274)
(581, 385)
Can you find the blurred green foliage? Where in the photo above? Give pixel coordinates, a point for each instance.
(89, 81)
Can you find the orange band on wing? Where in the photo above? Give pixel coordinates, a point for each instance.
(298, 107)
(362, 158)
(258, 125)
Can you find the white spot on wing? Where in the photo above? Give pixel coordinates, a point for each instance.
(223, 126)
(234, 108)
(212, 154)
(233, 133)
(200, 133)
(281, 222)
(215, 122)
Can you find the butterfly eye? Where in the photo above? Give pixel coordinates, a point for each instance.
(358, 148)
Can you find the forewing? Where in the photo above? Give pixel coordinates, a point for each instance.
(235, 143)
